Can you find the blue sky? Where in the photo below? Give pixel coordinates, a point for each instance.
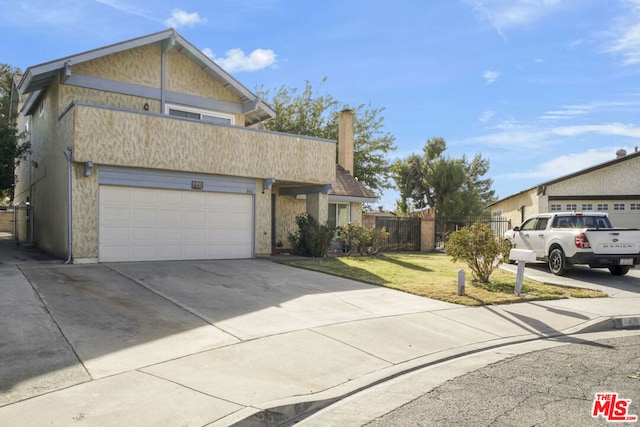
(541, 88)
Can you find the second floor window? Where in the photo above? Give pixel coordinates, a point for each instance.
(199, 114)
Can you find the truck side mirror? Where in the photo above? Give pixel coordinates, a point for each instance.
(516, 228)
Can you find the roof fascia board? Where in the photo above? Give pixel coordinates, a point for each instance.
(31, 102)
(214, 68)
(48, 67)
(353, 199)
(311, 189)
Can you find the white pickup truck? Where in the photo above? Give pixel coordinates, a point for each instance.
(566, 238)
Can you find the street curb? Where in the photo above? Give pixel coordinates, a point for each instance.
(298, 409)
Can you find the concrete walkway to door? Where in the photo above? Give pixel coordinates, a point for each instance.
(222, 342)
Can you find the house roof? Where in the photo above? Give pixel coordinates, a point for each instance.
(575, 174)
(348, 187)
(38, 77)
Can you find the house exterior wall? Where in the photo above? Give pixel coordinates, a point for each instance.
(612, 185)
(287, 208)
(184, 76)
(110, 128)
(141, 66)
(614, 180)
(263, 220)
(123, 138)
(512, 207)
(48, 193)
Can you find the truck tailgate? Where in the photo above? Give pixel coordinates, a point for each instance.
(614, 241)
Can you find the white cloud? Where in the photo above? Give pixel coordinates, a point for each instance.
(565, 164)
(625, 35)
(507, 14)
(615, 129)
(236, 60)
(511, 135)
(180, 18)
(126, 8)
(490, 76)
(486, 115)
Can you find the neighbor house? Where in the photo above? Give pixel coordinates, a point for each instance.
(148, 150)
(612, 187)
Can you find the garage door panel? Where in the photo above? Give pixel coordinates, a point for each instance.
(143, 224)
(144, 234)
(144, 216)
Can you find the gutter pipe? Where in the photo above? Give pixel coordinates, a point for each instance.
(68, 155)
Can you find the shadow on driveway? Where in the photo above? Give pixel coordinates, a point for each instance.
(99, 320)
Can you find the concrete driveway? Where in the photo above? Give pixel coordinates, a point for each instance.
(218, 342)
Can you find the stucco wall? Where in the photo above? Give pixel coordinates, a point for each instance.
(140, 66)
(614, 179)
(49, 178)
(511, 208)
(185, 76)
(287, 208)
(263, 220)
(122, 138)
(69, 94)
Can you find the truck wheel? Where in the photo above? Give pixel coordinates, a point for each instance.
(619, 270)
(557, 263)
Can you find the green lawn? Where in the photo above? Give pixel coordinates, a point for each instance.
(434, 275)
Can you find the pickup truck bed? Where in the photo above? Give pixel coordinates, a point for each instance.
(567, 238)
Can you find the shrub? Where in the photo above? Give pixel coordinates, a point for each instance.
(479, 248)
(312, 239)
(354, 237)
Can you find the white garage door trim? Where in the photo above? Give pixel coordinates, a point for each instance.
(146, 224)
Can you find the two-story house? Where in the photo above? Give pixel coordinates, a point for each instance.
(147, 150)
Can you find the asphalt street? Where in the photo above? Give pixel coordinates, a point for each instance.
(552, 387)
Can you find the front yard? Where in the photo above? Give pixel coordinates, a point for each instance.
(434, 275)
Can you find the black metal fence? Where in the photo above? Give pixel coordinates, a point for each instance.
(404, 233)
(445, 226)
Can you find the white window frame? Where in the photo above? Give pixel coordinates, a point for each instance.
(201, 111)
(556, 207)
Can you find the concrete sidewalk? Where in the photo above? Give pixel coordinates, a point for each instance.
(224, 342)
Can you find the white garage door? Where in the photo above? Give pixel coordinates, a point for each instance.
(143, 224)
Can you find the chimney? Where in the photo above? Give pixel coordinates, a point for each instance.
(345, 140)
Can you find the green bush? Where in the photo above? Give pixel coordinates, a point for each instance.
(312, 239)
(479, 248)
(354, 237)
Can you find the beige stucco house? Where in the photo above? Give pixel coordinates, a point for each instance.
(148, 150)
(612, 187)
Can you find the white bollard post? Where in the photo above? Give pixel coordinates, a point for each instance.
(460, 282)
(519, 277)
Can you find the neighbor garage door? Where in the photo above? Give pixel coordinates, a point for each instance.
(149, 224)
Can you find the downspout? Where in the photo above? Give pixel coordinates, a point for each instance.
(68, 155)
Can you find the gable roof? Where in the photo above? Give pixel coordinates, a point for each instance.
(38, 77)
(348, 187)
(574, 174)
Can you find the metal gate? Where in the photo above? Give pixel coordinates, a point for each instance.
(404, 233)
(447, 225)
(16, 223)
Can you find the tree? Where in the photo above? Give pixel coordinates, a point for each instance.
(309, 113)
(451, 186)
(12, 146)
(479, 248)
